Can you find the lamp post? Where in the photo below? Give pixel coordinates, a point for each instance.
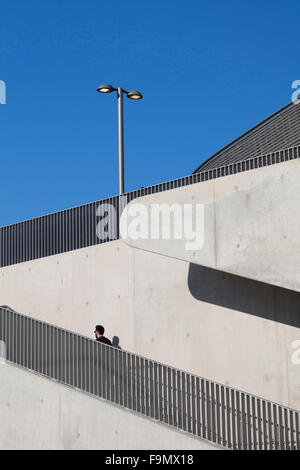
(133, 95)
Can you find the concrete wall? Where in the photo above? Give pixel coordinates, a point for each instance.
(251, 224)
(229, 329)
(219, 325)
(38, 413)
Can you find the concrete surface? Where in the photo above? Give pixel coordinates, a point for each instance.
(38, 413)
(222, 326)
(219, 326)
(251, 224)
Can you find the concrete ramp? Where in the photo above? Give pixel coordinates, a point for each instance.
(38, 413)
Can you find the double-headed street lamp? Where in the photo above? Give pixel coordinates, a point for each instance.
(133, 95)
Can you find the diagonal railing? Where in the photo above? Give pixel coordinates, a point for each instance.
(202, 408)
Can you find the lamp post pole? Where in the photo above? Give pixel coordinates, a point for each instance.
(121, 140)
(133, 95)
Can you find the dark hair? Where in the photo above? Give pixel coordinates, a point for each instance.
(100, 329)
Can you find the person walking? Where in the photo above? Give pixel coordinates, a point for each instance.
(99, 335)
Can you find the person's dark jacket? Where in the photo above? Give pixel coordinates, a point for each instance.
(103, 339)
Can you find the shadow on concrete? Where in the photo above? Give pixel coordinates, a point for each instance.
(244, 295)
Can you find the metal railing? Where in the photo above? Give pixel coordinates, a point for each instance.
(75, 228)
(205, 409)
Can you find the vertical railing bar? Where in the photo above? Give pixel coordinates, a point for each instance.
(125, 378)
(73, 358)
(254, 423)
(239, 420)
(44, 349)
(264, 425)
(184, 401)
(107, 372)
(38, 346)
(297, 426)
(295, 444)
(87, 345)
(224, 412)
(152, 390)
(117, 378)
(121, 381)
(208, 409)
(133, 382)
(84, 361)
(19, 339)
(270, 426)
(18, 335)
(218, 416)
(12, 337)
(65, 356)
(175, 405)
(244, 423)
(170, 398)
(137, 385)
(147, 402)
(260, 425)
(79, 355)
(188, 402)
(276, 428)
(179, 399)
(129, 390)
(203, 409)
(91, 367)
(156, 392)
(143, 386)
(194, 405)
(281, 428)
(249, 422)
(25, 341)
(46, 345)
(67, 359)
(58, 353)
(104, 373)
(213, 412)
(199, 405)
(98, 370)
(112, 373)
(286, 425)
(160, 394)
(51, 351)
(290, 432)
(232, 430)
(165, 393)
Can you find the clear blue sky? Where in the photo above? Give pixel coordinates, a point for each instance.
(208, 71)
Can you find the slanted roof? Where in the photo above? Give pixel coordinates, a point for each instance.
(279, 131)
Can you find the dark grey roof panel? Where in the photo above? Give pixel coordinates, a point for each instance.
(280, 130)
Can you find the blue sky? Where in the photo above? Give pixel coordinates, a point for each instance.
(208, 71)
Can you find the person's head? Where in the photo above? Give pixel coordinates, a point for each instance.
(99, 331)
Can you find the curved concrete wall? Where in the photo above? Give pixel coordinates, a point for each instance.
(226, 328)
(38, 413)
(250, 224)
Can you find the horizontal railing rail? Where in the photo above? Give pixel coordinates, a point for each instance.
(76, 228)
(205, 409)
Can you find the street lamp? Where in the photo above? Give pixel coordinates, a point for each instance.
(133, 95)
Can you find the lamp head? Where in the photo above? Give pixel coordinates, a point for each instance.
(134, 95)
(105, 89)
